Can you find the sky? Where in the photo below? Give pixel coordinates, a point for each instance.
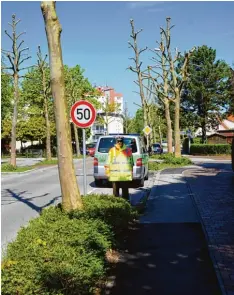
(95, 35)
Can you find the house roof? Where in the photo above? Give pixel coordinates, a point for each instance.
(230, 118)
(224, 135)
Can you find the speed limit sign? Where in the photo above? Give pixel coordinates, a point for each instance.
(83, 114)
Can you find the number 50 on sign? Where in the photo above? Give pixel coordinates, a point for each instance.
(83, 114)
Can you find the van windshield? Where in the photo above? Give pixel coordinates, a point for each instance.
(106, 143)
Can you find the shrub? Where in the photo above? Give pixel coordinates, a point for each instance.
(60, 253)
(196, 140)
(171, 159)
(177, 161)
(210, 149)
(8, 168)
(116, 212)
(170, 162)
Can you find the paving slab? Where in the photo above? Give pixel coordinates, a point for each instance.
(212, 189)
(166, 252)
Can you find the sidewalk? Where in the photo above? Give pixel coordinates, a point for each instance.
(213, 193)
(166, 253)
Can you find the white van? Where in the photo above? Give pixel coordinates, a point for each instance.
(140, 157)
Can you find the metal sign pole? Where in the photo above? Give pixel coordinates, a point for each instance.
(84, 162)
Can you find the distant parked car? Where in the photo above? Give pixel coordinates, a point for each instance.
(165, 147)
(81, 150)
(91, 148)
(157, 148)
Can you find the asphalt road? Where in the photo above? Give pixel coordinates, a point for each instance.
(25, 195)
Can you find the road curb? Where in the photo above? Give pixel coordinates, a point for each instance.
(141, 205)
(28, 171)
(212, 256)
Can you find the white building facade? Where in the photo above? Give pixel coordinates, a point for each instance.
(114, 121)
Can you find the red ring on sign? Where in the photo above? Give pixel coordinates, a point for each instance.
(93, 115)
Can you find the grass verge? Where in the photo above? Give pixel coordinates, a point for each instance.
(169, 161)
(6, 167)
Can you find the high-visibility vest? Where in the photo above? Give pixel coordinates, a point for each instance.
(119, 164)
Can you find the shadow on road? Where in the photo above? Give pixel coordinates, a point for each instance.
(18, 197)
(164, 259)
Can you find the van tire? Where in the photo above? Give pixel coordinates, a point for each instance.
(139, 183)
(98, 182)
(147, 175)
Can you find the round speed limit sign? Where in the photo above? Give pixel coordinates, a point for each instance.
(83, 114)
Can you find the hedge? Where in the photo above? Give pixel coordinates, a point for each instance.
(60, 253)
(210, 149)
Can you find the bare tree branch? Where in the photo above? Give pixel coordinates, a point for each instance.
(20, 44)
(20, 35)
(132, 58)
(11, 61)
(133, 69)
(6, 51)
(24, 49)
(8, 35)
(19, 20)
(7, 68)
(142, 50)
(26, 68)
(24, 60)
(131, 46)
(136, 92)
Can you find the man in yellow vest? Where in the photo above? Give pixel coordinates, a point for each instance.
(119, 167)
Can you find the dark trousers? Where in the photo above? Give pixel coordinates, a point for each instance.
(120, 184)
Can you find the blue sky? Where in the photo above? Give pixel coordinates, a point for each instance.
(95, 34)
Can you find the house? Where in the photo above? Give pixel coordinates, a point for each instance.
(224, 133)
(222, 137)
(114, 121)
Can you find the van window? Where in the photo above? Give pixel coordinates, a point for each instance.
(106, 143)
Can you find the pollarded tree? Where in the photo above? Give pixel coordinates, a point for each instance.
(169, 82)
(71, 198)
(137, 68)
(15, 57)
(207, 93)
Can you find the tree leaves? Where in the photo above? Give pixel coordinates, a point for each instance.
(207, 93)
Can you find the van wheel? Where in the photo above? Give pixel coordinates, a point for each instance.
(98, 182)
(139, 183)
(147, 175)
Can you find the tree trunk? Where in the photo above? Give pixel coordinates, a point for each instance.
(177, 126)
(160, 134)
(71, 198)
(203, 126)
(48, 145)
(14, 120)
(76, 140)
(169, 128)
